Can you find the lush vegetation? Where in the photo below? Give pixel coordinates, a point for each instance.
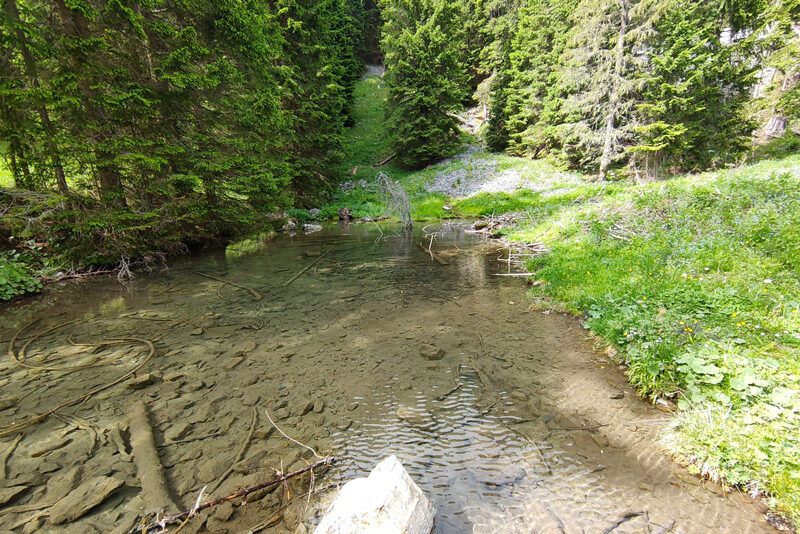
(139, 128)
(697, 282)
(633, 87)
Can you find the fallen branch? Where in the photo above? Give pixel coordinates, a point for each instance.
(624, 519)
(155, 494)
(256, 294)
(434, 257)
(307, 267)
(239, 455)
(6, 455)
(158, 525)
(384, 161)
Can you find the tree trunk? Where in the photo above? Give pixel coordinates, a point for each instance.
(12, 12)
(613, 100)
(75, 24)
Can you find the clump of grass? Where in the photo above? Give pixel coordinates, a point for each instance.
(697, 282)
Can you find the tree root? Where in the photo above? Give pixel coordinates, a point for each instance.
(80, 398)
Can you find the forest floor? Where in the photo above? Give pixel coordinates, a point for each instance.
(692, 282)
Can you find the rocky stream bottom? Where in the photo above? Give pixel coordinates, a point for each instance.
(356, 344)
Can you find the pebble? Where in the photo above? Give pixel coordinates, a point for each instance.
(61, 484)
(307, 408)
(8, 402)
(519, 395)
(319, 406)
(224, 511)
(142, 381)
(211, 469)
(431, 352)
(6, 494)
(618, 395)
(83, 498)
(177, 431)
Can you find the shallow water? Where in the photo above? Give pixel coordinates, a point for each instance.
(512, 423)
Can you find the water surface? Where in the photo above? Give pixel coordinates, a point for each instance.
(505, 416)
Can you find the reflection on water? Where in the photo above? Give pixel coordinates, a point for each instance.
(501, 413)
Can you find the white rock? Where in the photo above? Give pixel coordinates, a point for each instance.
(386, 502)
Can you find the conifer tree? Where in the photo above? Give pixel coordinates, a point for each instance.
(694, 90)
(529, 78)
(426, 80)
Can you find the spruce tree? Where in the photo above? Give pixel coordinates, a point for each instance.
(694, 91)
(427, 82)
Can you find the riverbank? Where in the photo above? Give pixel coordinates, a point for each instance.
(693, 283)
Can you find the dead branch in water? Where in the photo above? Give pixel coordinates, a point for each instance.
(256, 295)
(434, 257)
(155, 493)
(159, 525)
(627, 516)
(81, 398)
(397, 199)
(239, 455)
(307, 267)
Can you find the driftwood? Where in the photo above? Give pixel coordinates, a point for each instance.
(151, 473)
(81, 398)
(256, 295)
(158, 525)
(307, 267)
(384, 161)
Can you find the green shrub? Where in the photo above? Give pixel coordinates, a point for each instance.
(16, 277)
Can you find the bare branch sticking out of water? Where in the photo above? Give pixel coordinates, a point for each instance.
(396, 198)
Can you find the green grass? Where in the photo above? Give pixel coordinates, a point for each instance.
(697, 282)
(6, 180)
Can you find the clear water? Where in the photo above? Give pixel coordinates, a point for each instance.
(508, 425)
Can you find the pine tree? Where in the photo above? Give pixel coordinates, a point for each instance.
(426, 80)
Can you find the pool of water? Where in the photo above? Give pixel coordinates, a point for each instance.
(358, 344)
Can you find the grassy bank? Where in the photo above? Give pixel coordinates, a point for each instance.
(695, 282)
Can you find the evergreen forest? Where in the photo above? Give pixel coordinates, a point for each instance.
(648, 152)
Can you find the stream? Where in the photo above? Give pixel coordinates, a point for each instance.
(357, 344)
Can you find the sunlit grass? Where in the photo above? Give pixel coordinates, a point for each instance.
(696, 281)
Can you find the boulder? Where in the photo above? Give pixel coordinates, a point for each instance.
(386, 502)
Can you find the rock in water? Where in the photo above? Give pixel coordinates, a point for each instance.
(386, 502)
(83, 498)
(431, 352)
